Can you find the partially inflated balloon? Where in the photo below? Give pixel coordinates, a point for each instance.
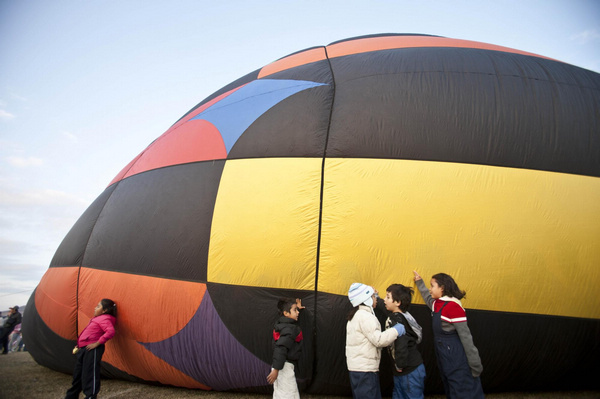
(359, 161)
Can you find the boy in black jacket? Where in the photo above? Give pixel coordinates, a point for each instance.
(409, 371)
(288, 347)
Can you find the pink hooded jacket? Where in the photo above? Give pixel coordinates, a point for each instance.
(100, 329)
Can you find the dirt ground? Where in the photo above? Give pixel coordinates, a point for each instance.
(22, 378)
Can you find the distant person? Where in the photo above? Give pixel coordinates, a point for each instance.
(288, 339)
(16, 342)
(457, 357)
(14, 318)
(409, 370)
(364, 341)
(90, 348)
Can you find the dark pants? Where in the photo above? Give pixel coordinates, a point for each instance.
(365, 385)
(86, 376)
(452, 361)
(4, 333)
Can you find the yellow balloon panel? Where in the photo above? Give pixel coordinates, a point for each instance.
(516, 240)
(265, 224)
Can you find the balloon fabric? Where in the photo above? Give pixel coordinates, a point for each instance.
(359, 161)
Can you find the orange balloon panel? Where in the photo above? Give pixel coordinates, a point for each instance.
(56, 300)
(301, 58)
(392, 42)
(142, 302)
(364, 45)
(195, 141)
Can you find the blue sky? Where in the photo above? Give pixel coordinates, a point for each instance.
(86, 85)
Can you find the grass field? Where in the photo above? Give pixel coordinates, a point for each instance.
(22, 378)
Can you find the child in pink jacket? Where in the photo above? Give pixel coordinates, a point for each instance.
(90, 348)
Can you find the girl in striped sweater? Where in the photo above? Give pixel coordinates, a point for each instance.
(457, 356)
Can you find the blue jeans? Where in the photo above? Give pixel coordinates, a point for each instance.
(365, 385)
(411, 385)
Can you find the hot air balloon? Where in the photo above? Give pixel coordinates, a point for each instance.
(358, 161)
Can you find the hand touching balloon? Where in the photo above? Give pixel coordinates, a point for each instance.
(417, 276)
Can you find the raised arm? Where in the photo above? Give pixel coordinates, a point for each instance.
(423, 290)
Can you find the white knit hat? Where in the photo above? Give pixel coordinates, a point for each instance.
(360, 293)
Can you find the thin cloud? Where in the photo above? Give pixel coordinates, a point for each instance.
(38, 198)
(10, 146)
(21, 162)
(70, 136)
(16, 288)
(18, 97)
(11, 246)
(586, 37)
(6, 115)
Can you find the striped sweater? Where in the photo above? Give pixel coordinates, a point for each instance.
(454, 318)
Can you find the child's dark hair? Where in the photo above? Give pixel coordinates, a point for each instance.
(401, 294)
(449, 286)
(285, 305)
(109, 307)
(352, 312)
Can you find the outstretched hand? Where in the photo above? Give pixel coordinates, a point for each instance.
(299, 304)
(417, 276)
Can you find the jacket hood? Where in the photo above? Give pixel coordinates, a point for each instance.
(452, 299)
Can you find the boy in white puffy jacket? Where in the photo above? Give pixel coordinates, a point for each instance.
(364, 340)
